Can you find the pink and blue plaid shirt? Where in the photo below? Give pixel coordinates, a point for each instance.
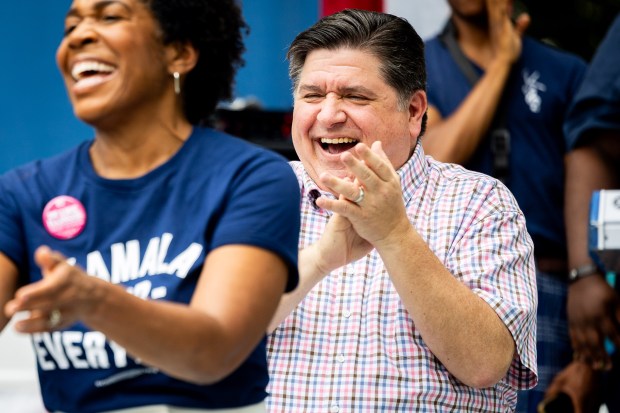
(351, 346)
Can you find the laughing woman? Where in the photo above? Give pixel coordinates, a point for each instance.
(146, 263)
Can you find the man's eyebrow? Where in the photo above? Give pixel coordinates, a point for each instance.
(310, 88)
(356, 89)
(342, 91)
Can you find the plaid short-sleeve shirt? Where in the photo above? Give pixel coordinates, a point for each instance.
(351, 346)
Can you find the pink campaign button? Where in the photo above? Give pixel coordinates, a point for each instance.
(64, 217)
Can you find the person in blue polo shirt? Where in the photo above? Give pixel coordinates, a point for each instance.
(593, 129)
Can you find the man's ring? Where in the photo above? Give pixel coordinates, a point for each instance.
(360, 197)
(55, 318)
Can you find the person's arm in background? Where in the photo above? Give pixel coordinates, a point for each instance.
(456, 137)
(593, 306)
(592, 164)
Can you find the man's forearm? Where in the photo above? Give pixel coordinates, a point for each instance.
(455, 323)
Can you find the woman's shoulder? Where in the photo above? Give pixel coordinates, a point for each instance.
(51, 168)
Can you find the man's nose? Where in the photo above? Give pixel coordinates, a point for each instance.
(332, 111)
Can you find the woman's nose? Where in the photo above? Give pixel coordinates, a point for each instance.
(82, 34)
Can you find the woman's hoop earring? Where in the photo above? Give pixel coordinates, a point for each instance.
(177, 83)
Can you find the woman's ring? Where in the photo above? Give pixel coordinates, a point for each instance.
(55, 318)
(360, 197)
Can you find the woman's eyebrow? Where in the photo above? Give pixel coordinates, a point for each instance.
(73, 12)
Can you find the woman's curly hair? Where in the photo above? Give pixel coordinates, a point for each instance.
(216, 29)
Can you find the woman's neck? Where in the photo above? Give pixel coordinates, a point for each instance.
(134, 149)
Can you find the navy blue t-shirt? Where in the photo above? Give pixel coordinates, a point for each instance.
(597, 103)
(151, 235)
(538, 92)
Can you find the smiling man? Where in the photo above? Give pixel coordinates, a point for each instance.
(417, 285)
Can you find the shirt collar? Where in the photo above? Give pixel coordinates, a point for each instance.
(413, 173)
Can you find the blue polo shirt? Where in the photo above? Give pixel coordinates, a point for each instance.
(597, 103)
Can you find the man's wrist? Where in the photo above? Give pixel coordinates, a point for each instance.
(582, 271)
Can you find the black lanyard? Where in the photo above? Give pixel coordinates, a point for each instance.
(499, 136)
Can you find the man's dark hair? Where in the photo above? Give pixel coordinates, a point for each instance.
(391, 39)
(215, 28)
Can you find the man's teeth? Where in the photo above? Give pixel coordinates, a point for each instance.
(337, 140)
(80, 69)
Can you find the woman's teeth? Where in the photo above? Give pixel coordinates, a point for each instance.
(86, 68)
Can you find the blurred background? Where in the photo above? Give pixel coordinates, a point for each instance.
(36, 119)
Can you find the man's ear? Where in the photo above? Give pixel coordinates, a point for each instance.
(417, 108)
(182, 57)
